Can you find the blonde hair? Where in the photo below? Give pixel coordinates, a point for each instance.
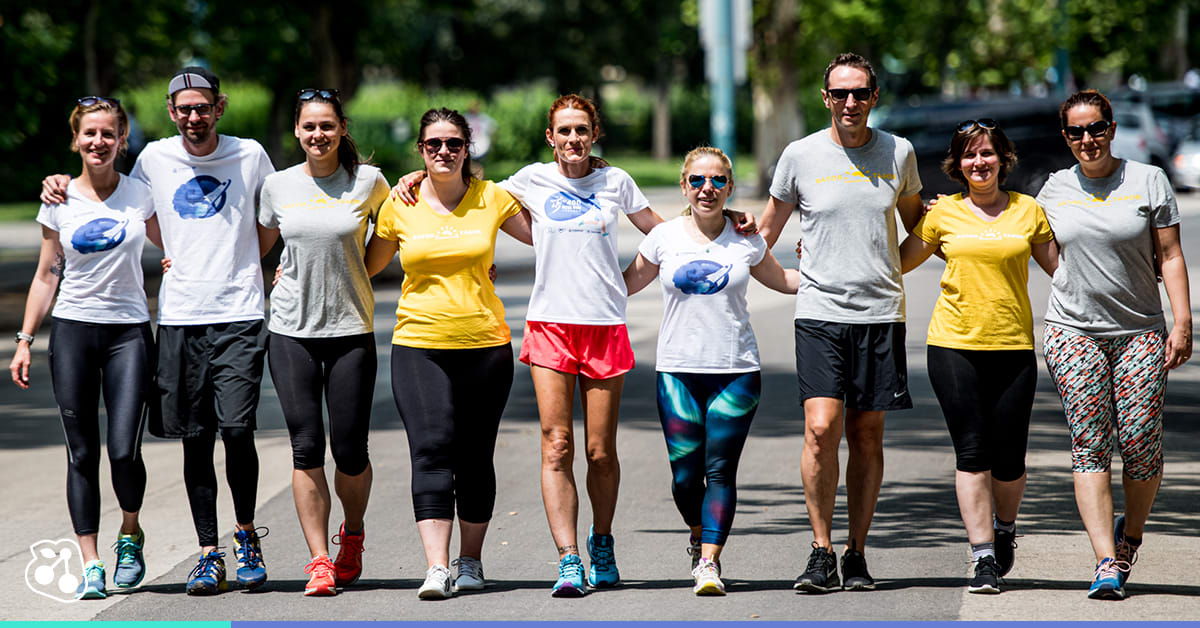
(107, 105)
(698, 153)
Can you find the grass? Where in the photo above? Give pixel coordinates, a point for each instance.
(18, 212)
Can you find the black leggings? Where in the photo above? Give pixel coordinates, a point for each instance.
(344, 368)
(987, 398)
(200, 478)
(87, 360)
(450, 401)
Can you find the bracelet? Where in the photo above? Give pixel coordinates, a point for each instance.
(26, 337)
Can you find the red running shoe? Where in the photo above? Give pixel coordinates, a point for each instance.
(321, 581)
(349, 559)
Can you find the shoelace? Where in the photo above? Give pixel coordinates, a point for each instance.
(351, 542)
(707, 568)
(321, 564)
(468, 567)
(93, 572)
(1109, 568)
(988, 566)
(207, 564)
(602, 557)
(249, 553)
(570, 569)
(1126, 555)
(127, 550)
(817, 559)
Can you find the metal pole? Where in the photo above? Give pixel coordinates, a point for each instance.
(722, 120)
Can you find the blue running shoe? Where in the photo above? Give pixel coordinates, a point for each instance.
(603, 572)
(1107, 584)
(1126, 551)
(570, 577)
(208, 576)
(131, 565)
(92, 587)
(251, 571)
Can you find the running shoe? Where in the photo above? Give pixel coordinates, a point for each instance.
(131, 565)
(693, 550)
(348, 565)
(708, 578)
(570, 577)
(1005, 544)
(208, 576)
(854, 572)
(987, 576)
(251, 570)
(92, 587)
(603, 571)
(1126, 551)
(1107, 584)
(470, 573)
(820, 576)
(437, 584)
(321, 579)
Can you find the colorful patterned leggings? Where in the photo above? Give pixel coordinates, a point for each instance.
(1107, 385)
(705, 418)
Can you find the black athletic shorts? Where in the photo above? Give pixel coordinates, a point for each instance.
(862, 365)
(208, 377)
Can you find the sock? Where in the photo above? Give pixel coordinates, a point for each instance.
(1005, 526)
(980, 550)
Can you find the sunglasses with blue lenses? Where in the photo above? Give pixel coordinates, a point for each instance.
(88, 101)
(697, 180)
(983, 123)
(309, 93)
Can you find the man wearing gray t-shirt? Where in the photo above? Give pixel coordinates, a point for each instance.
(848, 181)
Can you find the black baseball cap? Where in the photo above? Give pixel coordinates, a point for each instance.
(193, 77)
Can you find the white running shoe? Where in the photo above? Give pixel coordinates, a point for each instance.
(470, 574)
(437, 584)
(708, 578)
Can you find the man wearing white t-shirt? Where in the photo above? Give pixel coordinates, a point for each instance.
(848, 182)
(211, 334)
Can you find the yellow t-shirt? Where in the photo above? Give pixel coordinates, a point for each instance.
(984, 304)
(447, 300)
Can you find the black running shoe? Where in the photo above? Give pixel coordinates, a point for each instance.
(987, 576)
(821, 574)
(854, 572)
(1005, 544)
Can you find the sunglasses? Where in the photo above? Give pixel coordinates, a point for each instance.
(88, 101)
(453, 144)
(1095, 129)
(983, 123)
(309, 93)
(860, 93)
(697, 180)
(203, 110)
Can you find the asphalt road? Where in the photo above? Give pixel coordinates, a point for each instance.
(917, 549)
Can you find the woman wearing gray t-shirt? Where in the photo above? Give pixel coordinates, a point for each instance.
(1105, 339)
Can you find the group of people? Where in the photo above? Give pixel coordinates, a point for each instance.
(1104, 230)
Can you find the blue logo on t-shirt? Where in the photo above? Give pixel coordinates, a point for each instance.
(702, 277)
(99, 235)
(202, 197)
(564, 206)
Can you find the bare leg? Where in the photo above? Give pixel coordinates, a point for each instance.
(470, 538)
(87, 546)
(435, 538)
(819, 463)
(129, 523)
(354, 491)
(555, 396)
(1139, 499)
(1093, 496)
(864, 472)
(974, 491)
(601, 405)
(311, 494)
(1007, 496)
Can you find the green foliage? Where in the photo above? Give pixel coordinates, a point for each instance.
(245, 114)
(18, 212)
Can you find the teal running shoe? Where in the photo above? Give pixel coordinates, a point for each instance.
(92, 587)
(603, 571)
(1107, 584)
(208, 576)
(570, 577)
(1126, 551)
(131, 565)
(251, 571)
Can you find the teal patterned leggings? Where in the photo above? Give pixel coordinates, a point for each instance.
(705, 418)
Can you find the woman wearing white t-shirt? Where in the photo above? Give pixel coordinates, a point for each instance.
(708, 391)
(100, 343)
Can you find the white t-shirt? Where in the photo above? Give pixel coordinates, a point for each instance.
(102, 243)
(706, 325)
(577, 276)
(206, 210)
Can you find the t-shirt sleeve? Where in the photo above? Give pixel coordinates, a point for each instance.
(518, 183)
(385, 224)
(1162, 199)
(266, 205)
(758, 249)
(1041, 227)
(507, 205)
(649, 246)
(379, 193)
(263, 169)
(139, 171)
(48, 216)
(633, 200)
(783, 184)
(912, 178)
(143, 198)
(928, 227)
(1047, 192)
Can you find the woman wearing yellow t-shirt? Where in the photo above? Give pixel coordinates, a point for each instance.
(980, 358)
(452, 364)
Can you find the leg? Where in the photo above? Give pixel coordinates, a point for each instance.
(730, 411)
(1015, 382)
(236, 366)
(126, 379)
(555, 396)
(349, 389)
(864, 472)
(482, 381)
(75, 375)
(681, 413)
(601, 400)
(1139, 381)
(200, 480)
(819, 467)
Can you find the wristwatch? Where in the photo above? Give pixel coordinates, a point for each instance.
(26, 337)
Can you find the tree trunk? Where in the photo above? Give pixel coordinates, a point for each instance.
(661, 137)
(1174, 55)
(777, 118)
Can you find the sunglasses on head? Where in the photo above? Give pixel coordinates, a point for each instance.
(453, 144)
(202, 110)
(983, 123)
(1095, 129)
(309, 93)
(697, 180)
(88, 101)
(859, 93)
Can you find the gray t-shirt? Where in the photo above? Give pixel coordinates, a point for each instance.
(324, 290)
(1105, 284)
(850, 258)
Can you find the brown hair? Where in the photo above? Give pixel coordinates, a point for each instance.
(962, 139)
(700, 152)
(1087, 97)
(107, 105)
(575, 101)
(347, 152)
(453, 117)
(855, 61)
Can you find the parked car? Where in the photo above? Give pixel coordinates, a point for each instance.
(1173, 105)
(1186, 161)
(1031, 123)
(1139, 136)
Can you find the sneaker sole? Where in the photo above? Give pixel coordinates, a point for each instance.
(603, 585)
(204, 590)
(251, 585)
(708, 588)
(987, 588)
(568, 591)
(92, 595)
(344, 583)
(321, 591)
(1106, 594)
(809, 587)
(468, 587)
(130, 585)
(435, 594)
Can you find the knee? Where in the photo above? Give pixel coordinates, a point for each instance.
(602, 460)
(865, 439)
(237, 434)
(350, 462)
(821, 437)
(557, 451)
